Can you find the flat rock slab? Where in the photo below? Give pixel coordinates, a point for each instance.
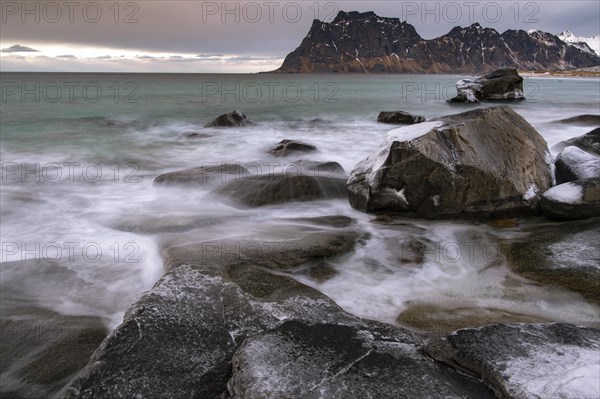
(300, 360)
(527, 361)
(261, 190)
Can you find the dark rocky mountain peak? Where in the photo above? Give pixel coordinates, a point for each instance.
(367, 43)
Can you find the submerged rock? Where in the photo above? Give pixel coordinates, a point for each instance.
(584, 120)
(589, 142)
(315, 168)
(503, 84)
(487, 162)
(399, 118)
(560, 254)
(575, 164)
(213, 174)
(289, 147)
(527, 361)
(578, 199)
(271, 189)
(231, 119)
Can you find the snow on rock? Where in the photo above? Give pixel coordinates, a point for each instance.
(412, 132)
(568, 193)
(574, 164)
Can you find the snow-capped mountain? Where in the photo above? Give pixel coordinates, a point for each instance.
(592, 42)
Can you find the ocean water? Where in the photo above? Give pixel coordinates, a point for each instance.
(79, 154)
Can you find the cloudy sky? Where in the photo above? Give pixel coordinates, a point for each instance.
(232, 36)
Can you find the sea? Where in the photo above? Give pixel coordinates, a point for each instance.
(80, 152)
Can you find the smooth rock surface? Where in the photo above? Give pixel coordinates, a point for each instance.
(589, 142)
(487, 162)
(527, 361)
(212, 175)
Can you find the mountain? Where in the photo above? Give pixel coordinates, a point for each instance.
(583, 43)
(365, 42)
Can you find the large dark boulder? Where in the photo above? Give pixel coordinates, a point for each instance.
(211, 175)
(271, 189)
(486, 162)
(523, 361)
(589, 142)
(399, 118)
(503, 84)
(290, 147)
(575, 164)
(231, 119)
(579, 199)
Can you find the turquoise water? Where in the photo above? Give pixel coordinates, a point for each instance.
(92, 159)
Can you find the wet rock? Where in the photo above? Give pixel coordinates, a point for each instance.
(399, 118)
(503, 84)
(331, 221)
(441, 319)
(289, 147)
(578, 199)
(589, 142)
(231, 119)
(560, 254)
(178, 340)
(575, 164)
(196, 135)
(211, 175)
(527, 360)
(42, 350)
(484, 163)
(271, 189)
(582, 120)
(300, 360)
(314, 168)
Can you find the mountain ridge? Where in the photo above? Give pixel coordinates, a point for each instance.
(367, 43)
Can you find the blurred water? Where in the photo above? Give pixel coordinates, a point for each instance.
(92, 164)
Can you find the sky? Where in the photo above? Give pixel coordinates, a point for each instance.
(232, 36)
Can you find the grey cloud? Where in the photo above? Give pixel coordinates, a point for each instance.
(17, 48)
(67, 56)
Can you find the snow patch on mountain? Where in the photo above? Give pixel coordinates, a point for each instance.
(592, 43)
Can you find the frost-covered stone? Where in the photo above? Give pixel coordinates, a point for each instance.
(578, 199)
(503, 84)
(527, 361)
(589, 142)
(486, 162)
(575, 164)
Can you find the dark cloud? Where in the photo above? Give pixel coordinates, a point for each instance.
(104, 57)
(17, 48)
(67, 56)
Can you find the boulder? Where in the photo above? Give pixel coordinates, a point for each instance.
(212, 175)
(399, 118)
(589, 142)
(582, 120)
(179, 339)
(261, 190)
(527, 361)
(231, 119)
(561, 254)
(579, 199)
(575, 164)
(487, 162)
(289, 147)
(503, 84)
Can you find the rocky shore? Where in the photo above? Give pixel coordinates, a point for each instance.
(230, 318)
